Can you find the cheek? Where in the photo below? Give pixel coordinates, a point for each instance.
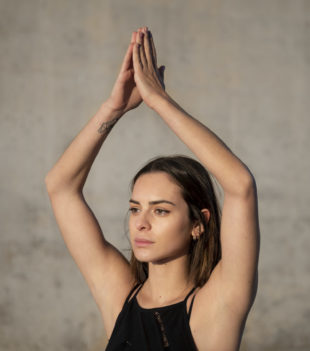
(176, 227)
(131, 226)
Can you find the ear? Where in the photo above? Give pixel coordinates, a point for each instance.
(198, 227)
(206, 213)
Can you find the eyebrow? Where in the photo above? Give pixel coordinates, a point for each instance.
(154, 202)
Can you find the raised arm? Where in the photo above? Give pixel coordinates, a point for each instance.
(105, 269)
(237, 270)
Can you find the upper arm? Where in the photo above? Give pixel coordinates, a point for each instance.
(233, 282)
(237, 271)
(105, 269)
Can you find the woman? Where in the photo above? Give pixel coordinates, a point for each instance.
(147, 304)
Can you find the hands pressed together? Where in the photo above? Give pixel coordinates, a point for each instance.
(139, 79)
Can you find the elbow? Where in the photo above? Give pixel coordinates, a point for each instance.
(48, 183)
(56, 185)
(248, 185)
(47, 180)
(51, 184)
(244, 185)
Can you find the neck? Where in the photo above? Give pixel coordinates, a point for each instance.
(167, 281)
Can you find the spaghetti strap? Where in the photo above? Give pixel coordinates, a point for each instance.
(190, 307)
(188, 295)
(132, 290)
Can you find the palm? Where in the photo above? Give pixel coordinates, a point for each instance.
(125, 95)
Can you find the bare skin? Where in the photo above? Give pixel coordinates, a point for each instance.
(221, 306)
(168, 225)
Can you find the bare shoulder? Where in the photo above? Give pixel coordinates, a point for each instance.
(216, 323)
(118, 282)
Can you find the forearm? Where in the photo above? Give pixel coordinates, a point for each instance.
(228, 169)
(71, 170)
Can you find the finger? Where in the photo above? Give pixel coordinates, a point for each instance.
(153, 49)
(137, 64)
(127, 59)
(142, 49)
(134, 36)
(148, 51)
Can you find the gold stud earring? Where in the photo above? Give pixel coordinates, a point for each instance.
(195, 236)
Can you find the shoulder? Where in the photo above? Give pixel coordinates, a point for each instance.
(109, 319)
(214, 315)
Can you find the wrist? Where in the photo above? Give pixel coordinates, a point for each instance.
(108, 110)
(157, 100)
(106, 117)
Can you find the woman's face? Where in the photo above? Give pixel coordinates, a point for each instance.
(158, 213)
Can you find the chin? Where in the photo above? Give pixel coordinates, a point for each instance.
(142, 257)
(155, 259)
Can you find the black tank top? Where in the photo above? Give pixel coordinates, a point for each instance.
(152, 329)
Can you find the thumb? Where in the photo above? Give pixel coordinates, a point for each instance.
(161, 71)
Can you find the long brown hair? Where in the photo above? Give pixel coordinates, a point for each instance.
(198, 192)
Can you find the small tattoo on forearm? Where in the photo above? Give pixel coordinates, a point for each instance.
(107, 126)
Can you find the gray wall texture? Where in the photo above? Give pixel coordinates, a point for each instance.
(241, 67)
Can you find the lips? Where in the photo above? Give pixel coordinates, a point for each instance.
(143, 241)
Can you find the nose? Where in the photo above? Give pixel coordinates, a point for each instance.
(142, 222)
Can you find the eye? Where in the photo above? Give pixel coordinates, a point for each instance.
(133, 210)
(161, 212)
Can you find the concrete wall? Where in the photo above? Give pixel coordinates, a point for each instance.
(241, 67)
